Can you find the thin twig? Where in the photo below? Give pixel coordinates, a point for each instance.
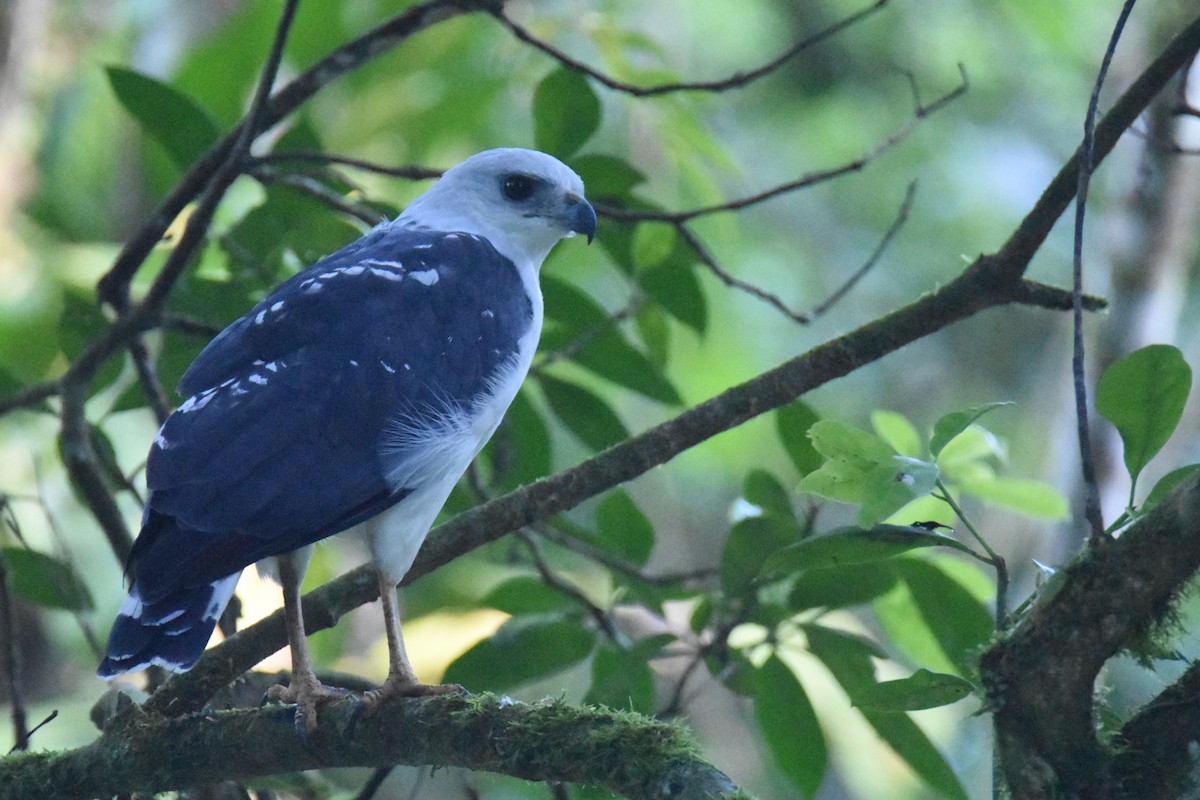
(1091, 489)
(371, 787)
(147, 374)
(920, 112)
(737, 80)
(30, 396)
(8, 662)
(317, 190)
(579, 342)
(897, 224)
(551, 579)
(412, 172)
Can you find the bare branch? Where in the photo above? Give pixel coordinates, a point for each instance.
(412, 172)
(920, 112)
(29, 396)
(319, 191)
(735, 81)
(1092, 512)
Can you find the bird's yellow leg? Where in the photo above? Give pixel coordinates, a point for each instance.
(401, 680)
(304, 690)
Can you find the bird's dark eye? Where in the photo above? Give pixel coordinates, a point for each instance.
(518, 187)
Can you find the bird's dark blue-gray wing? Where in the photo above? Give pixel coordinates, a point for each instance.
(278, 444)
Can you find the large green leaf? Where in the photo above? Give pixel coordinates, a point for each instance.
(923, 689)
(673, 284)
(841, 586)
(1143, 395)
(520, 452)
(751, 541)
(623, 528)
(525, 594)
(763, 490)
(789, 724)
(848, 659)
(566, 112)
(854, 546)
(1029, 497)
(174, 120)
(521, 652)
(891, 485)
(586, 415)
(45, 580)
(1166, 484)
(792, 423)
(607, 176)
(611, 357)
(933, 618)
(897, 431)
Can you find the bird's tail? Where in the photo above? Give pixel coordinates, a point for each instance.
(171, 632)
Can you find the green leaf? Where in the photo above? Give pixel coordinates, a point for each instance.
(933, 618)
(956, 422)
(611, 357)
(1029, 497)
(751, 541)
(520, 452)
(855, 546)
(572, 307)
(623, 528)
(587, 416)
(673, 284)
(922, 689)
(842, 586)
(792, 423)
(1143, 395)
(174, 120)
(848, 659)
(622, 678)
(897, 431)
(850, 456)
(1166, 484)
(521, 652)
(789, 724)
(45, 580)
(762, 489)
(893, 484)
(654, 329)
(525, 594)
(607, 176)
(566, 112)
(912, 745)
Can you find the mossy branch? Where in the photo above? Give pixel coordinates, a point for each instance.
(625, 753)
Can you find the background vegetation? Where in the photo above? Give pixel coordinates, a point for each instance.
(903, 145)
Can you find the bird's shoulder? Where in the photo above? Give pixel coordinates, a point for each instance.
(382, 295)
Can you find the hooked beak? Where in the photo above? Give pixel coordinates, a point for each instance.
(580, 217)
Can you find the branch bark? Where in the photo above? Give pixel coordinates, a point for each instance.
(627, 754)
(1041, 678)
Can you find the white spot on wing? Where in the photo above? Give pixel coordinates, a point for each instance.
(272, 366)
(387, 274)
(353, 363)
(260, 317)
(387, 366)
(277, 306)
(428, 277)
(261, 380)
(198, 401)
(488, 313)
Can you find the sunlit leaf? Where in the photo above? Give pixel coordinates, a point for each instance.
(893, 484)
(174, 120)
(1029, 497)
(910, 743)
(897, 431)
(789, 725)
(954, 423)
(1143, 395)
(923, 689)
(566, 112)
(933, 618)
(521, 652)
(44, 580)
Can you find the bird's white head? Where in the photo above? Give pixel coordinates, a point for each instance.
(522, 201)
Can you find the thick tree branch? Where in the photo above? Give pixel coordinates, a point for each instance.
(1041, 677)
(627, 754)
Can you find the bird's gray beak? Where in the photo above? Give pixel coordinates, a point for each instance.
(580, 216)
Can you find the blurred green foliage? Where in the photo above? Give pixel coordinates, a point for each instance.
(722, 575)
